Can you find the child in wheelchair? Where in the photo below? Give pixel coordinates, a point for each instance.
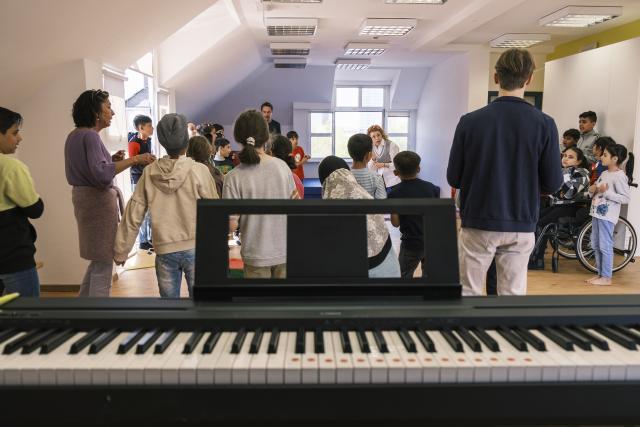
(565, 202)
(609, 193)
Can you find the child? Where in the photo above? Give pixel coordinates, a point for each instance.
(200, 150)
(140, 143)
(282, 149)
(598, 149)
(259, 176)
(360, 147)
(298, 154)
(610, 191)
(575, 169)
(169, 189)
(407, 167)
(588, 135)
(222, 159)
(18, 202)
(570, 138)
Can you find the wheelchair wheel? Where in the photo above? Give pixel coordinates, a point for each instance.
(625, 243)
(567, 247)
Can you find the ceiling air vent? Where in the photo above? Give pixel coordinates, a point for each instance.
(290, 49)
(296, 27)
(290, 63)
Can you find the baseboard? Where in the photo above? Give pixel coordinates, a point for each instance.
(59, 288)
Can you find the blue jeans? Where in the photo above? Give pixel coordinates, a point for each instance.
(602, 245)
(169, 269)
(25, 282)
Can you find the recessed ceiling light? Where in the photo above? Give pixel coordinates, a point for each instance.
(352, 64)
(290, 62)
(365, 49)
(290, 49)
(291, 26)
(387, 27)
(415, 1)
(519, 40)
(581, 16)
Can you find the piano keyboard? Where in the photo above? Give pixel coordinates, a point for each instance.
(156, 357)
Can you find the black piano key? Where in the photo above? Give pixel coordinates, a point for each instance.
(363, 342)
(236, 346)
(593, 339)
(7, 334)
(83, 342)
(147, 341)
(300, 341)
(407, 341)
(130, 341)
(451, 339)
(426, 342)
(576, 339)
(557, 338)
(616, 337)
(192, 342)
(486, 339)
(211, 342)
(318, 341)
(56, 341)
(17, 343)
(469, 339)
(517, 342)
(381, 343)
(345, 342)
(36, 342)
(97, 346)
(274, 340)
(254, 347)
(627, 333)
(165, 341)
(530, 338)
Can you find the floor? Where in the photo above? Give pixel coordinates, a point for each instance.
(138, 278)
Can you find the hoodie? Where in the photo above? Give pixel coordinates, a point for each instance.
(169, 189)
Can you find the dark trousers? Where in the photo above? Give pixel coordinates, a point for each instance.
(549, 215)
(492, 279)
(409, 260)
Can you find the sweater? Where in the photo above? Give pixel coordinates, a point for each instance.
(606, 206)
(502, 157)
(169, 189)
(18, 202)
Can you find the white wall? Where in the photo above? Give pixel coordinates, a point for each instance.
(605, 80)
(444, 99)
(47, 122)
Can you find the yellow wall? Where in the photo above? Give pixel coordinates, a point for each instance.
(614, 35)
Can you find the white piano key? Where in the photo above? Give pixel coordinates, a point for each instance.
(117, 364)
(515, 360)
(482, 367)
(171, 366)
(224, 365)
(276, 362)
(154, 369)
(631, 358)
(456, 366)
(428, 361)
(59, 358)
(327, 363)
(208, 362)
(293, 361)
(344, 362)
(361, 366)
(397, 369)
(240, 369)
(188, 372)
(379, 369)
(259, 362)
(583, 370)
(310, 362)
(134, 371)
(413, 367)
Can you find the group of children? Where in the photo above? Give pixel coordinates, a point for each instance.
(593, 176)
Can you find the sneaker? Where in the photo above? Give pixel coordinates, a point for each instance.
(536, 264)
(146, 246)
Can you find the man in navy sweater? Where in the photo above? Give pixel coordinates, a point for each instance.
(503, 156)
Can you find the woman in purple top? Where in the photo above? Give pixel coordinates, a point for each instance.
(90, 169)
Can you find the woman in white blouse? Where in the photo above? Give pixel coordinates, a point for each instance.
(382, 155)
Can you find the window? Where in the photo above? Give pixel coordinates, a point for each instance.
(356, 108)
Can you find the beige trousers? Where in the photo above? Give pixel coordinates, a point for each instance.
(477, 248)
(272, 272)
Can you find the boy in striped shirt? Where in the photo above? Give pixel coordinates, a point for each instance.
(360, 148)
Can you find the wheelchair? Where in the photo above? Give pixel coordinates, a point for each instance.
(570, 238)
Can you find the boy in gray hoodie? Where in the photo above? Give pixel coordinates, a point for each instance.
(169, 189)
